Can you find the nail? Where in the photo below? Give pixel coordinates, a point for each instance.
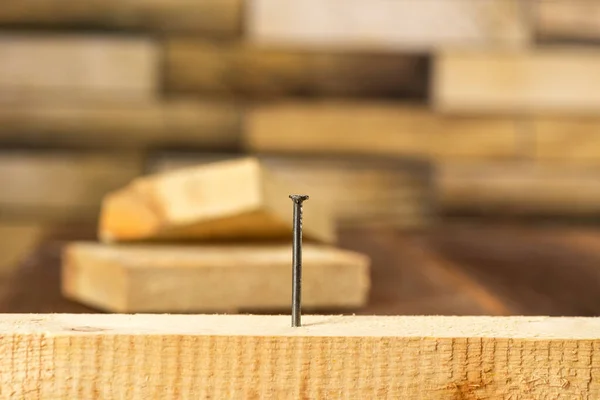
(297, 259)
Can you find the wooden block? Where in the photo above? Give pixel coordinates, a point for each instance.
(57, 186)
(179, 123)
(545, 80)
(567, 19)
(358, 191)
(182, 279)
(401, 25)
(567, 140)
(237, 69)
(246, 356)
(519, 189)
(215, 17)
(235, 199)
(382, 128)
(78, 67)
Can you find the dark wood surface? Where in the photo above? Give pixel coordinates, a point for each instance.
(453, 269)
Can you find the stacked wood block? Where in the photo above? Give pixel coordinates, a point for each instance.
(209, 238)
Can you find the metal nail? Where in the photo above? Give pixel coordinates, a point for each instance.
(297, 259)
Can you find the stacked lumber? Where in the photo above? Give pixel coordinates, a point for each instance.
(209, 17)
(551, 89)
(208, 238)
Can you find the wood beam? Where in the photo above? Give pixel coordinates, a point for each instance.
(232, 199)
(518, 82)
(378, 128)
(78, 67)
(62, 356)
(205, 124)
(211, 278)
(400, 25)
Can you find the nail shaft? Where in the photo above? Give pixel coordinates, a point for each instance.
(297, 260)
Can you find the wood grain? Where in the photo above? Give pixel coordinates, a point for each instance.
(207, 17)
(567, 19)
(377, 128)
(216, 356)
(62, 65)
(402, 25)
(56, 186)
(189, 123)
(205, 278)
(545, 80)
(232, 199)
(198, 66)
(358, 191)
(519, 189)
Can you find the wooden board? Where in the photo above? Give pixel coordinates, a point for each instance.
(213, 17)
(233, 199)
(519, 189)
(545, 80)
(217, 278)
(238, 69)
(567, 140)
(217, 356)
(378, 128)
(74, 66)
(567, 19)
(401, 25)
(358, 191)
(173, 123)
(61, 185)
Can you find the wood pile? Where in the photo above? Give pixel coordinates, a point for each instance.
(210, 238)
(506, 85)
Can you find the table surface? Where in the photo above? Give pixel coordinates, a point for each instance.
(452, 269)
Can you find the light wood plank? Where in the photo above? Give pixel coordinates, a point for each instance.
(182, 279)
(220, 356)
(567, 19)
(173, 123)
(239, 69)
(567, 140)
(378, 128)
(401, 25)
(214, 17)
(545, 80)
(358, 191)
(235, 199)
(519, 189)
(61, 185)
(78, 66)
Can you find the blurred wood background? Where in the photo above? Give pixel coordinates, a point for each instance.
(408, 115)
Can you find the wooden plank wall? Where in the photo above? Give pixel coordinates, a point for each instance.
(505, 82)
